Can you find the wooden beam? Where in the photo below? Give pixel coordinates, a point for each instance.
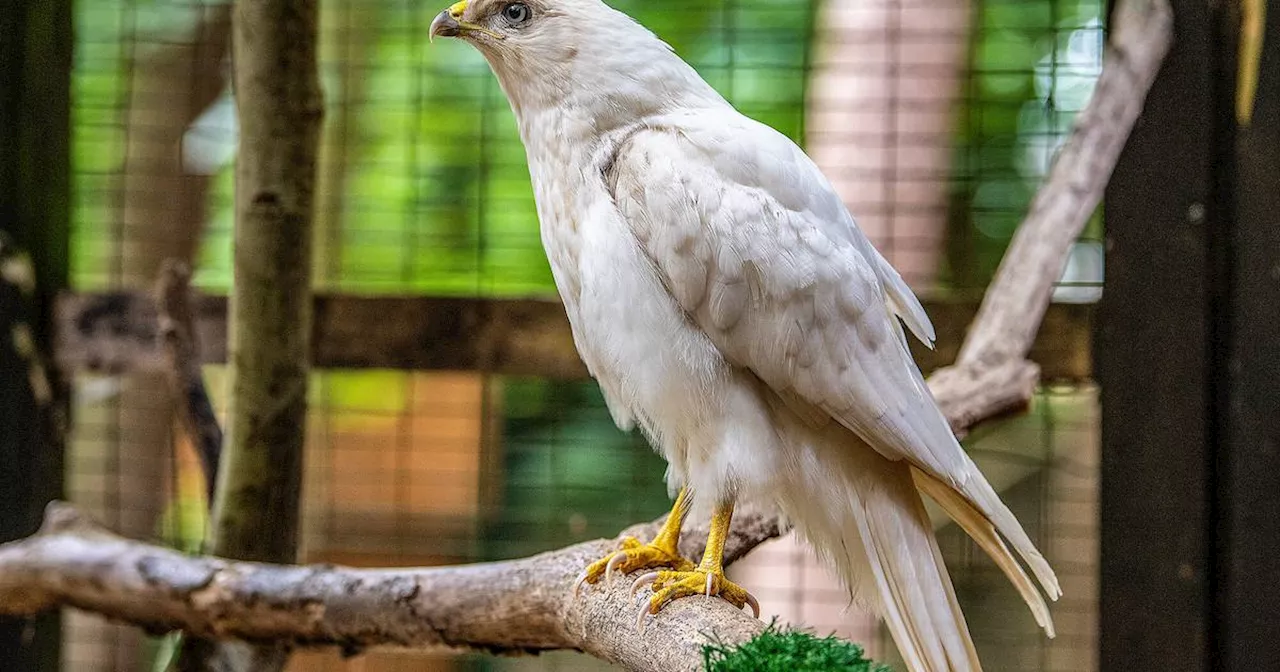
(116, 333)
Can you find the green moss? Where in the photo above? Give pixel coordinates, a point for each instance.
(788, 650)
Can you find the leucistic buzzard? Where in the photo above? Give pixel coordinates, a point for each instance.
(729, 306)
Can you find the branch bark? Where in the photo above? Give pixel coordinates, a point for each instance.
(507, 607)
(526, 605)
(992, 375)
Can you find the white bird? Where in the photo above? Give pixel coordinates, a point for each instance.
(728, 304)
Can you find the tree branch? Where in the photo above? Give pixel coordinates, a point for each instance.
(992, 376)
(177, 334)
(526, 605)
(516, 606)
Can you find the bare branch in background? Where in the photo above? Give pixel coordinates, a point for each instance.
(992, 375)
(526, 605)
(177, 334)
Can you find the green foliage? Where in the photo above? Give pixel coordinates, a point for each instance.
(1032, 68)
(164, 650)
(788, 650)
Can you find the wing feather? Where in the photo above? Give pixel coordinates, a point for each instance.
(758, 249)
(758, 263)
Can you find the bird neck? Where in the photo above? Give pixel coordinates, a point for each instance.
(600, 93)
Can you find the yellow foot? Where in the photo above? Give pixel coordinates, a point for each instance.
(632, 557)
(673, 585)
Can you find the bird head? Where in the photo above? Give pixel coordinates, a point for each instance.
(545, 52)
(536, 34)
(482, 20)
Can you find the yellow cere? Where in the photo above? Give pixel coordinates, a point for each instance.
(457, 8)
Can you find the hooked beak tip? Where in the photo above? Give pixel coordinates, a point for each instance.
(444, 25)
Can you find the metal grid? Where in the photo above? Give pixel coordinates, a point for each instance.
(935, 120)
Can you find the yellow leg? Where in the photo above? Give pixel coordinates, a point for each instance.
(669, 536)
(707, 579)
(663, 551)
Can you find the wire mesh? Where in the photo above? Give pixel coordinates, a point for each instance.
(934, 119)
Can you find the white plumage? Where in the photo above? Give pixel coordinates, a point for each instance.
(728, 304)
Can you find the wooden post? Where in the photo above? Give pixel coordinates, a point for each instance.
(35, 113)
(1189, 361)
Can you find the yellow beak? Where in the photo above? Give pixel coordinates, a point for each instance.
(449, 22)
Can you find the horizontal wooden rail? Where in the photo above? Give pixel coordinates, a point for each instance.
(116, 333)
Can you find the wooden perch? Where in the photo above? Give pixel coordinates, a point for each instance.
(507, 607)
(526, 605)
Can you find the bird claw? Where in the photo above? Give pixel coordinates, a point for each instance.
(633, 556)
(640, 614)
(612, 566)
(682, 580)
(673, 585)
(643, 581)
(577, 584)
(755, 604)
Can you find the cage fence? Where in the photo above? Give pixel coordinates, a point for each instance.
(935, 120)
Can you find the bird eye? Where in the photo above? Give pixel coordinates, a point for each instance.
(516, 12)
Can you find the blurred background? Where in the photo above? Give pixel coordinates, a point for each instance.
(935, 119)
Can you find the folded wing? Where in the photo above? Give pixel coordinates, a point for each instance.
(758, 249)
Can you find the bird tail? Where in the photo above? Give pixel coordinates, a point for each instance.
(883, 545)
(980, 528)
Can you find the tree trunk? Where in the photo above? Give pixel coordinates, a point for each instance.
(279, 104)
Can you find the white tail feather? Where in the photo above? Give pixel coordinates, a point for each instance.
(984, 499)
(884, 539)
(903, 302)
(980, 529)
(864, 515)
